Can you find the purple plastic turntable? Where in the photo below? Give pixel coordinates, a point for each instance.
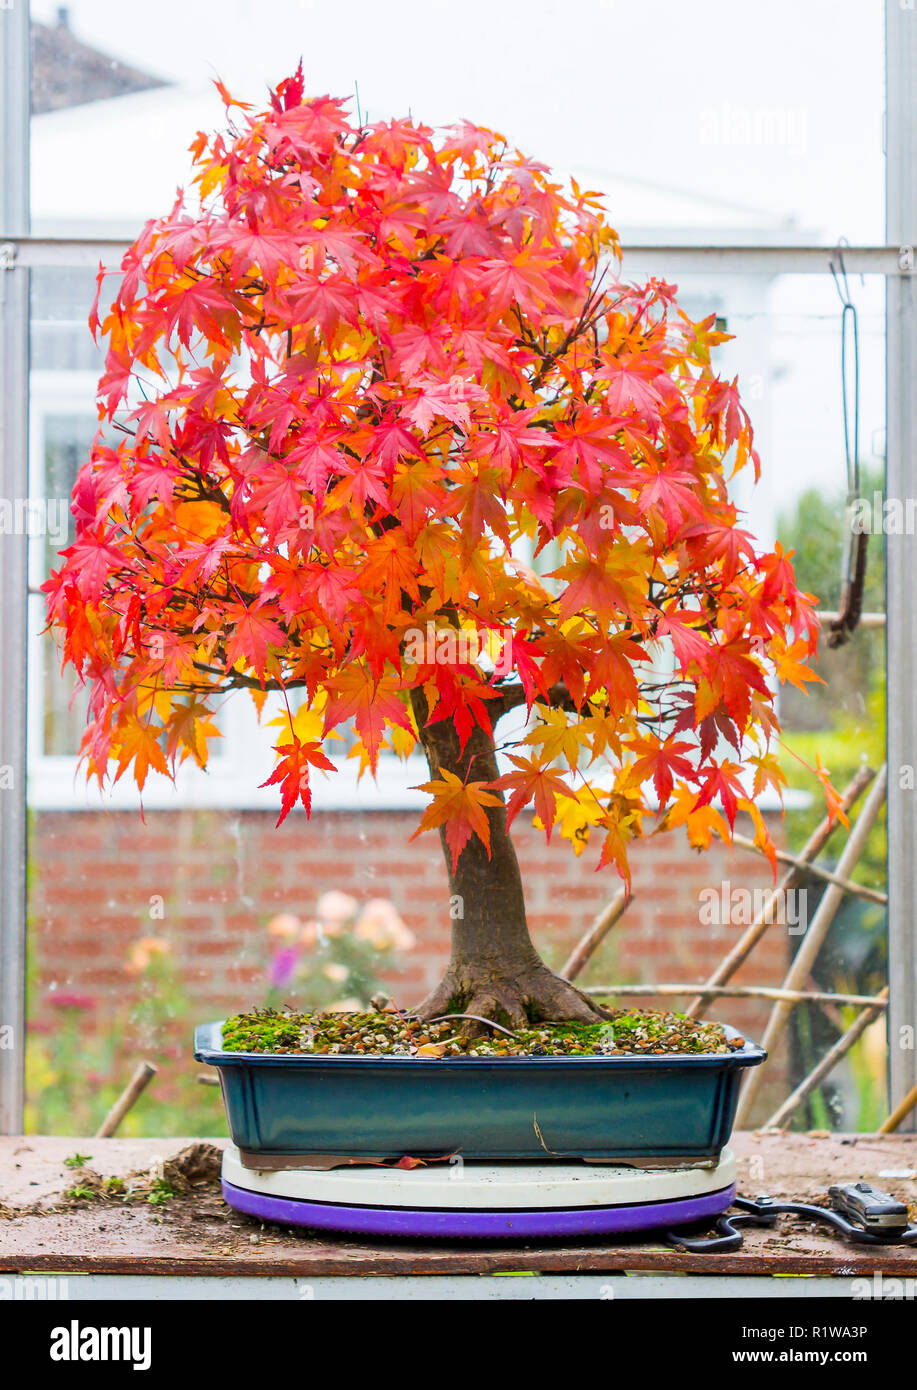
(483, 1200)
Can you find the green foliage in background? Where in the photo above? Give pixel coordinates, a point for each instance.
(79, 1063)
(843, 720)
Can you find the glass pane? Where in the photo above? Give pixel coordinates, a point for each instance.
(142, 925)
(64, 439)
(693, 118)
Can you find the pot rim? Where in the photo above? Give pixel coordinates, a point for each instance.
(208, 1049)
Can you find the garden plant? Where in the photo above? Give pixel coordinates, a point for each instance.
(385, 432)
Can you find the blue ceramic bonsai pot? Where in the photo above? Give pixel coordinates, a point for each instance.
(635, 1109)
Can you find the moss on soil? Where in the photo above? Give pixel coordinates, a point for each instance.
(627, 1032)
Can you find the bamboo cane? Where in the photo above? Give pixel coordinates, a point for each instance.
(903, 1108)
(813, 940)
(131, 1093)
(856, 890)
(829, 1061)
(750, 937)
(740, 992)
(587, 945)
(866, 619)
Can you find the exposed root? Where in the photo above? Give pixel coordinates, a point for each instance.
(536, 995)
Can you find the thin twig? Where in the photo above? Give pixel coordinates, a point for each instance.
(587, 945)
(478, 1019)
(830, 1060)
(797, 996)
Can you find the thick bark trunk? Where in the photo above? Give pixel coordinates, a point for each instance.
(494, 970)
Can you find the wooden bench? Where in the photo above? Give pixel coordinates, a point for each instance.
(197, 1236)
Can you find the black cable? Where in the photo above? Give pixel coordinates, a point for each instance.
(853, 573)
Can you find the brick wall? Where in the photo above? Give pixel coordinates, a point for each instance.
(222, 875)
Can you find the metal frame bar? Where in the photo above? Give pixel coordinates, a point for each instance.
(14, 483)
(485, 1288)
(901, 628)
(39, 251)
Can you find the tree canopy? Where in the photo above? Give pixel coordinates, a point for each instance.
(360, 381)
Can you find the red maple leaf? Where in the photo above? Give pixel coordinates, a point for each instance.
(722, 780)
(292, 774)
(536, 784)
(663, 760)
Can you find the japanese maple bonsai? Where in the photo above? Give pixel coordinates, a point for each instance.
(351, 386)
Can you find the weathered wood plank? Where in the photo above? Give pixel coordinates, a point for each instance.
(198, 1235)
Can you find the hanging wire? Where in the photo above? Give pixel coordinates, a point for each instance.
(853, 565)
(849, 321)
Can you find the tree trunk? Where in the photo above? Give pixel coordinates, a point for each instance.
(494, 970)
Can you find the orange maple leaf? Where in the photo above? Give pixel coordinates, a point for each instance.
(533, 783)
(460, 807)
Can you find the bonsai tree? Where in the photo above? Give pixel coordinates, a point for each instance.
(356, 388)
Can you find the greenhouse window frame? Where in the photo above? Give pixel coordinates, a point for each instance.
(20, 253)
